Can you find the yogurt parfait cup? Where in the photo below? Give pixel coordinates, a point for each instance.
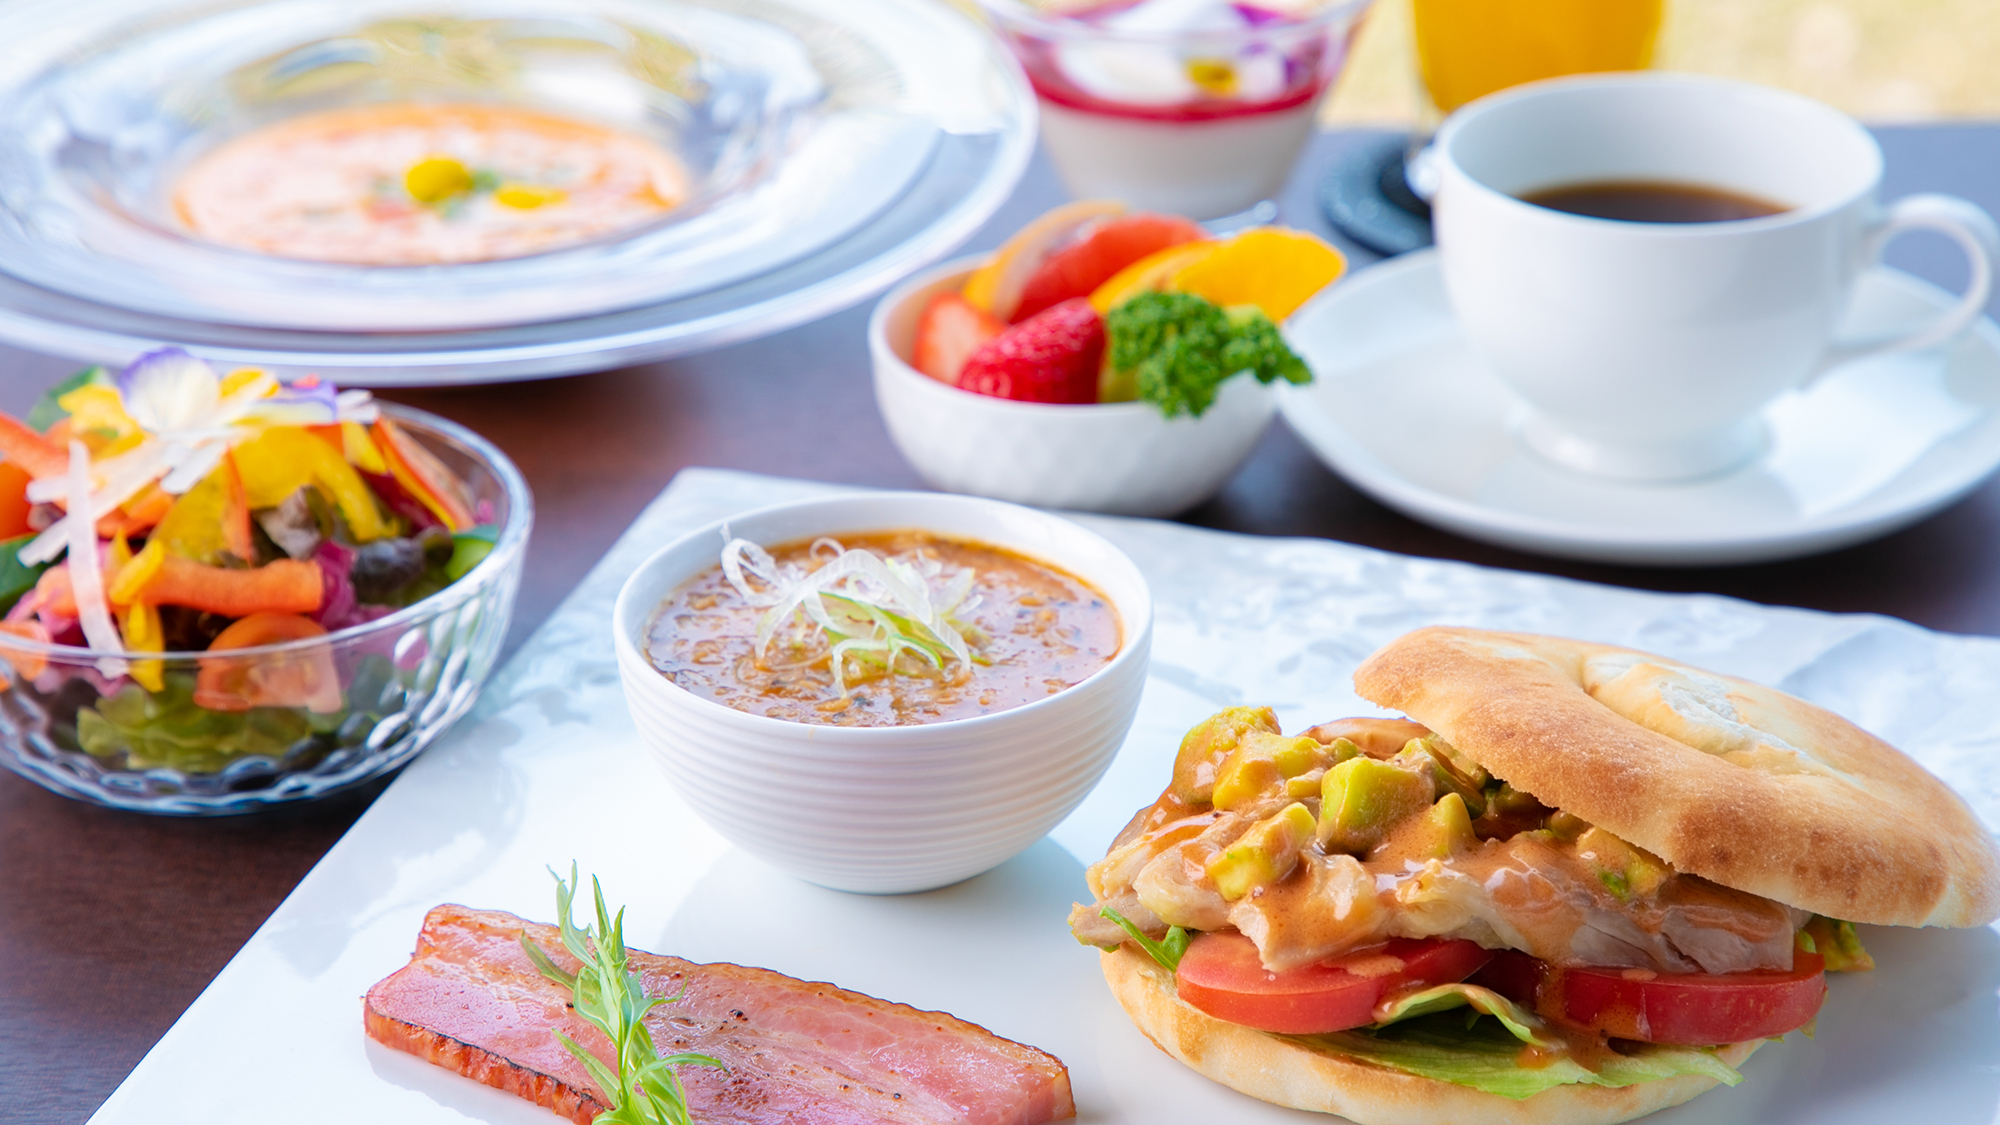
(1197, 107)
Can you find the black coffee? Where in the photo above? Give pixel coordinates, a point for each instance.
(1653, 201)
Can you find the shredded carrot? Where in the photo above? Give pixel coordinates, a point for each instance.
(236, 513)
(53, 593)
(141, 513)
(14, 503)
(27, 664)
(283, 586)
(418, 470)
(39, 454)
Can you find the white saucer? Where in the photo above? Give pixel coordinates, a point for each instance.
(1405, 411)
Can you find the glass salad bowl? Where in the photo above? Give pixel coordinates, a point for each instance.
(73, 721)
(793, 130)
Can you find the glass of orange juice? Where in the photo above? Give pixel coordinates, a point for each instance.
(1467, 49)
(1470, 48)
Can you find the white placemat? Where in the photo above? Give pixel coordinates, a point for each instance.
(548, 769)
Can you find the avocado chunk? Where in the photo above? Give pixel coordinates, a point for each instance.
(1260, 764)
(1451, 771)
(1626, 871)
(1443, 832)
(1263, 855)
(1210, 741)
(1362, 800)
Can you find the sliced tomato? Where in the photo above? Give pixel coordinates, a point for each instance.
(1690, 1009)
(294, 679)
(1222, 974)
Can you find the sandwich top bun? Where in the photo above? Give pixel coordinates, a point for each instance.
(1729, 780)
(1289, 1074)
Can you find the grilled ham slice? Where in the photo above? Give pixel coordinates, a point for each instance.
(809, 1054)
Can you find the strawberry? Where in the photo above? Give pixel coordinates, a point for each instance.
(1107, 247)
(950, 330)
(1050, 357)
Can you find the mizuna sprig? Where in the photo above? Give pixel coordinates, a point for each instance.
(644, 1090)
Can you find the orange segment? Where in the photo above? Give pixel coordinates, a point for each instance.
(996, 286)
(1270, 267)
(1149, 272)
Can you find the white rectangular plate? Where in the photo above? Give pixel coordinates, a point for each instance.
(548, 769)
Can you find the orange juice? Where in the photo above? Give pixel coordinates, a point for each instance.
(1470, 48)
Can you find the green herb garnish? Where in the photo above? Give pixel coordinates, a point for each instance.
(1167, 951)
(644, 1090)
(869, 609)
(1180, 348)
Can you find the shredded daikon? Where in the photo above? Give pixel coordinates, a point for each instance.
(86, 575)
(871, 608)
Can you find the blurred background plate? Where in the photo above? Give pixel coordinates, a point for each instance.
(833, 147)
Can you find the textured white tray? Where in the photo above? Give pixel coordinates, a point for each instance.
(548, 769)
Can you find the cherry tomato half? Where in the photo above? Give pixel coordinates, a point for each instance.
(293, 679)
(1691, 1009)
(1221, 974)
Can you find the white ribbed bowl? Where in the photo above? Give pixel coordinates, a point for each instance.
(886, 810)
(1121, 457)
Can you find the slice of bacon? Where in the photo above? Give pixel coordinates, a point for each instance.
(797, 1052)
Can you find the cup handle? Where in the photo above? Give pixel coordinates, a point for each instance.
(1966, 224)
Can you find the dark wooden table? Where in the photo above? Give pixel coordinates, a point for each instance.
(111, 923)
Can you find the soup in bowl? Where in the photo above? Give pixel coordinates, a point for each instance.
(908, 759)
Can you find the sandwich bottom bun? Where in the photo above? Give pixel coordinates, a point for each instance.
(1267, 1067)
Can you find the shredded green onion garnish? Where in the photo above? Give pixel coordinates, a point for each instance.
(873, 610)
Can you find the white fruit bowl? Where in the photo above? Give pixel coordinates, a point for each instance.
(888, 810)
(1121, 457)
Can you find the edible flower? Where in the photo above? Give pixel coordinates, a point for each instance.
(875, 609)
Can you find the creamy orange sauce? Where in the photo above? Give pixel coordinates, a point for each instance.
(1036, 631)
(330, 186)
(1518, 884)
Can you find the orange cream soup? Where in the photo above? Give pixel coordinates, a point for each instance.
(1039, 631)
(329, 186)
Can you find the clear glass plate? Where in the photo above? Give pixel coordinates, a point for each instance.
(831, 146)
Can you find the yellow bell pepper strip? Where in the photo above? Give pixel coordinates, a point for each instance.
(424, 476)
(140, 624)
(123, 589)
(97, 408)
(295, 679)
(195, 527)
(282, 586)
(41, 455)
(121, 554)
(360, 451)
(285, 459)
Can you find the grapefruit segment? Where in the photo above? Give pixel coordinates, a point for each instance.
(1104, 249)
(1148, 273)
(996, 286)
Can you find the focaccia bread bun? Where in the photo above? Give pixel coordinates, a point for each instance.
(1726, 779)
(1278, 1070)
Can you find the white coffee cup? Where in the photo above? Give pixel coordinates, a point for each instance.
(1649, 350)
